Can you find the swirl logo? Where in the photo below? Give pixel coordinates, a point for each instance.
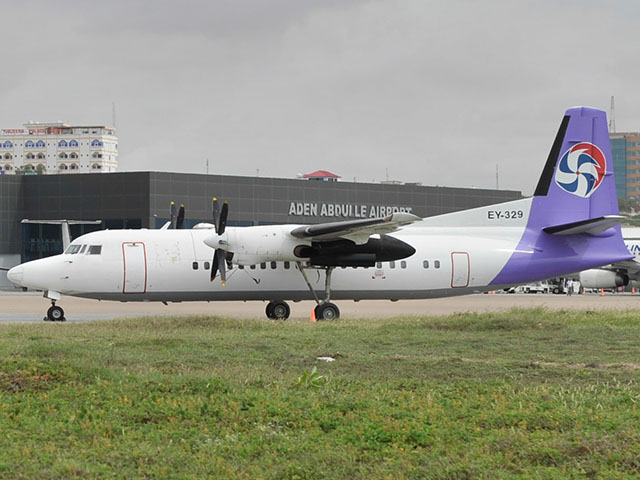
(581, 169)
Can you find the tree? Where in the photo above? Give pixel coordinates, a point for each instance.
(629, 205)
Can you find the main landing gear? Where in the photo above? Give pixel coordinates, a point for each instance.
(324, 310)
(278, 310)
(55, 314)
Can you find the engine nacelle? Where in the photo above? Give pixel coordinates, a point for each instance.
(273, 243)
(268, 243)
(345, 253)
(603, 279)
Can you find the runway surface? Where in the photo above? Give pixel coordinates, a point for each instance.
(31, 306)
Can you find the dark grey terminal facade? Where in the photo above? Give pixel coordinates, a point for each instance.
(142, 199)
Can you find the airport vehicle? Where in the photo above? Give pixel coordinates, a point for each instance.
(569, 225)
(537, 287)
(619, 274)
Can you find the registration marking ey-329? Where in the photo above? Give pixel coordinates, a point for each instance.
(504, 214)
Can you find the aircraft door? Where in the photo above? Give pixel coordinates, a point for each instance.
(134, 257)
(459, 269)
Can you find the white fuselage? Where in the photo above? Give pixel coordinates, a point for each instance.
(173, 265)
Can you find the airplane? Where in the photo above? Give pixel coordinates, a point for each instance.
(570, 224)
(619, 274)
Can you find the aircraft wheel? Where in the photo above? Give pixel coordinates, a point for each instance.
(327, 311)
(280, 311)
(55, 314)
(269, 310)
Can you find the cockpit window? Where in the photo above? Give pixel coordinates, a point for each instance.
(94, 250)
(82, 249)
(73, 249)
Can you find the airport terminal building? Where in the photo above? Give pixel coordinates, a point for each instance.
(142, 200)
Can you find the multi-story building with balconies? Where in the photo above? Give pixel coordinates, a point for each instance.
(46, 148)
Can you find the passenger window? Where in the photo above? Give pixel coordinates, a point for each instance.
(94, 250)
(425, 264)
(392, 264)
(378, 264)
(252, 267)
(436, 264)
(84, 247)
(403, 264)
(273, 265)
(195, 265)
(207, 265)
(241, 267)
(263, 266)
(286, 265)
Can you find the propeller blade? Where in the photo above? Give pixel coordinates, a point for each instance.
(219, 255)
(216, 214)
(214, 265)
(223, 218)
(180, 220)
(219, 264)
(222, 266)
(172, 216)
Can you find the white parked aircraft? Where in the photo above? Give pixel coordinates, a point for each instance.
(619, 274)
(571, 224)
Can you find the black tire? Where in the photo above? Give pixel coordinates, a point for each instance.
(269, 310)
(280, 311)
(55, 314)
(327, 311)
(556, 290)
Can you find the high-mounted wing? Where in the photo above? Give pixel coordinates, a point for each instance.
(358, 231)
(632, 267)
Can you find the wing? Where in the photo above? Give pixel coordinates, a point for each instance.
(358, 231)
(630, 267)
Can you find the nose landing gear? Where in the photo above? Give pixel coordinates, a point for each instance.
(55, 314)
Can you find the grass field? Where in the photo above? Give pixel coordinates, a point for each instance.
(522, 394)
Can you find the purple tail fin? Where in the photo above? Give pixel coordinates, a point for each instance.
(577, 182)
(573, 220)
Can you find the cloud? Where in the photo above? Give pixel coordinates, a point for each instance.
(437, 92)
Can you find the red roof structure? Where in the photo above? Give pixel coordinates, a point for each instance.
(322, 175)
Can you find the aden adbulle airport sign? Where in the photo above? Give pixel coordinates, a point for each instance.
(307, 209)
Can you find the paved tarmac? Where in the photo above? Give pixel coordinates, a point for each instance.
(31, 306)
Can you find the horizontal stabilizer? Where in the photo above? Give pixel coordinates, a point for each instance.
(592, 226)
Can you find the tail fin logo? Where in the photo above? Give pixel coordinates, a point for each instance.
(581, 169)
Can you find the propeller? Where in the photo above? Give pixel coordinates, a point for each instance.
(172, 216)
(176, 221)
(180, 219)
(219, 255)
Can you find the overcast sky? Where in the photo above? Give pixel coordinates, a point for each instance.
(432, 91)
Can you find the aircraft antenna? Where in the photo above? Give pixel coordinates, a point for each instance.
(113, 114)
(612, 117)
(497, 182)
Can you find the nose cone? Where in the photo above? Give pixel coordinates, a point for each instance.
(16, 274)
